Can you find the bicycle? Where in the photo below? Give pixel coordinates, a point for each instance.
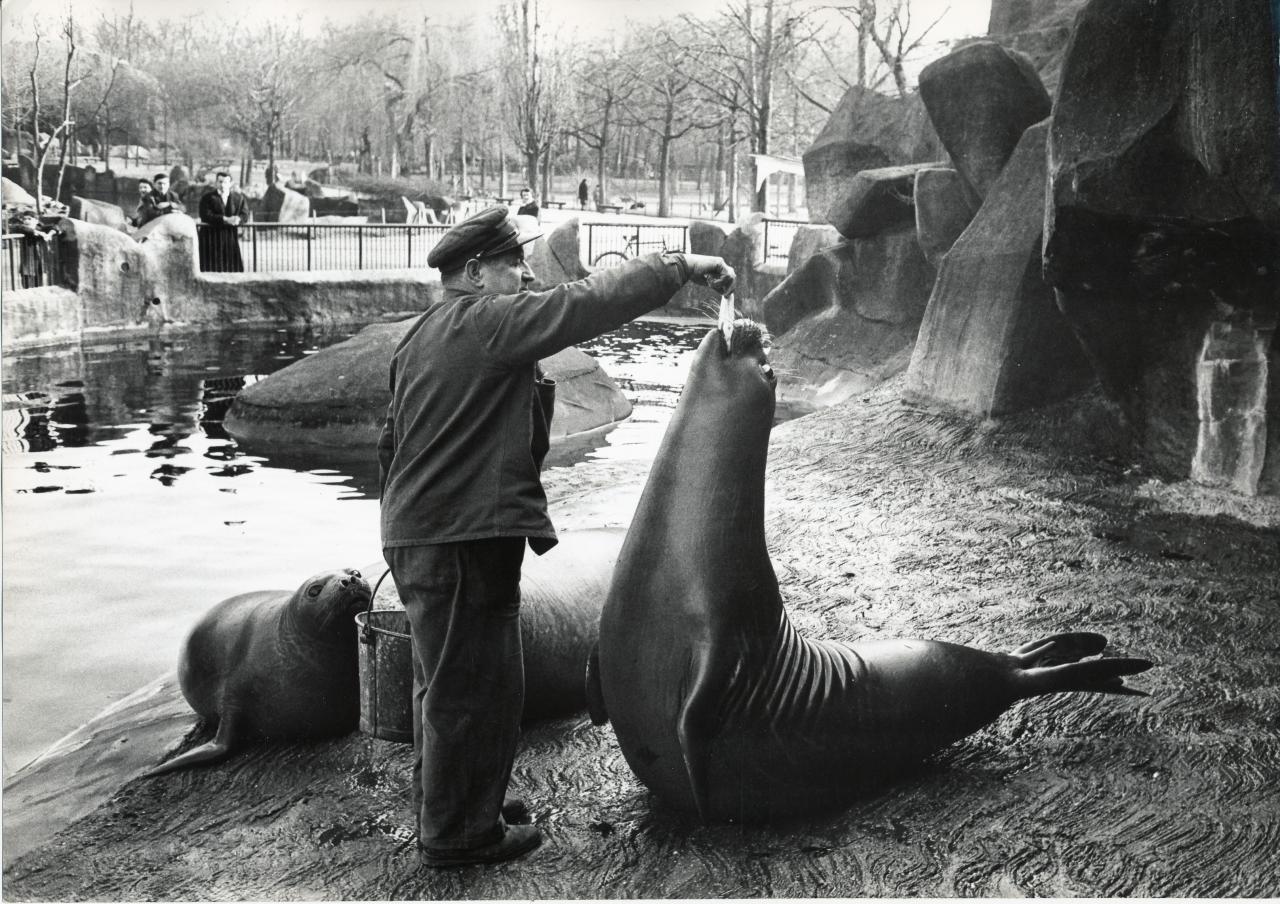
(630, 250)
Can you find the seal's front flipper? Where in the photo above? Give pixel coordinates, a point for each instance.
(596, 709)
(693, 736)
(209, 752)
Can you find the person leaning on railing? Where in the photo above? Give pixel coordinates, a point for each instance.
(34, 247)
(221, 212)
(459, 460)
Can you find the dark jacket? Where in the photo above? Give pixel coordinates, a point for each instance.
(168, 202)
(214, 212)
(459, 454)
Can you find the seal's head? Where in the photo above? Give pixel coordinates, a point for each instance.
(735, 373)
(332, 598)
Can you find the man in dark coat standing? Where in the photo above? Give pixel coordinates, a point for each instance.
(221, 211)
(459, 459)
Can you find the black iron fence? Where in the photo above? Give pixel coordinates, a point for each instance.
(778, 235)
(30, 262)
(609, 244)
(336, 246)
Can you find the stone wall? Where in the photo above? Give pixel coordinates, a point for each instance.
(113, 281)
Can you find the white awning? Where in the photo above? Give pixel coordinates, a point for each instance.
(767, 165)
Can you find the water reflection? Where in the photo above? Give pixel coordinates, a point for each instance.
(129, 510)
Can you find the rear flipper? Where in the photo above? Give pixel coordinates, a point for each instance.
(1103, 676)
(1059, 649)
(209, 752)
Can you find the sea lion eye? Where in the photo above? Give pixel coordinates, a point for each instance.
(314, 589)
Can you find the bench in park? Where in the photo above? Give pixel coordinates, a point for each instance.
(558, 205)
(612, 208)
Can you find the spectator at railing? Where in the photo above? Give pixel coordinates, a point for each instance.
(166, 201)
(221, 212)
(146, 210)
(34, 248)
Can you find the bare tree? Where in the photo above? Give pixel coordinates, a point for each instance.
(533, 84)
(42, 148)
(667, 104)
(887, 24)
(605, 84)
(741, 55)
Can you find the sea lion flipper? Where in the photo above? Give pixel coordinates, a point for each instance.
(692, 735)
(208, 752)
(596, 708)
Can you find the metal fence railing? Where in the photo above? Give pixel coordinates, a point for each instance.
(29, 262)
(778, 235)
(336, 246)
(609, 244)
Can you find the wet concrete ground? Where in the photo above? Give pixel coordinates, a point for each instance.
(883, 521)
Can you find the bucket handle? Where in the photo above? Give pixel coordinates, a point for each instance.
(366, 632)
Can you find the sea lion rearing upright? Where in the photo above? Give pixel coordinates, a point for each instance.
(719, 705)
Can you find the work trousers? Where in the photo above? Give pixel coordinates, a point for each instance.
(463, 603)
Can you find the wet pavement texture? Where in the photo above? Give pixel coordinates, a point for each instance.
(883, 521)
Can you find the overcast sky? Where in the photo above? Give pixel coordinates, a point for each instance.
(962, 17)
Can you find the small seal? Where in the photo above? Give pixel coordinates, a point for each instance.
(718, 704)
(274, 665)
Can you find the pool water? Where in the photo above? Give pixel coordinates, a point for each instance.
(128, 510)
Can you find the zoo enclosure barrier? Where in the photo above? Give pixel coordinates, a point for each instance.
(336, 246)
(778, 236)
(47, 257)
(609, 244)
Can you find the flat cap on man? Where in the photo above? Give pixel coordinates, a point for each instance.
(487, 234)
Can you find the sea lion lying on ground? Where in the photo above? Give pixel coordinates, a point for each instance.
(283, 666)
(719, 705)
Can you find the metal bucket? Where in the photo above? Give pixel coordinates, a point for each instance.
(386, 673)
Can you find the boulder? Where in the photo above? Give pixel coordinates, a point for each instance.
(707, 237)
(15, 195)
(992, 341)
(280, 205)
(99, 212)
(179, 175)
(1040, 29)
(808, 241)
(874, 201)
(867, 130)
(1164, 221)
(338, 397)
(846, 318)
(942, 211)
(555, 258)
(981, 98)
(319, 174)
(743, 250)
(313, 189)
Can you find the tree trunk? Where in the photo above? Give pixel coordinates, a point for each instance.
(602, 179)
(546, 174)
(531, 168)
(664, 176)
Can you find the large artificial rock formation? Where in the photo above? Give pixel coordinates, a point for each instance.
(943, 211)
(555, 257)
(282, 205)
(14, 195)
(867, 130)
(1038, 28)
(874, 201)
(338, 397)
(981, 98)
(1163, 232)
(992, 341)
(846, 318)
